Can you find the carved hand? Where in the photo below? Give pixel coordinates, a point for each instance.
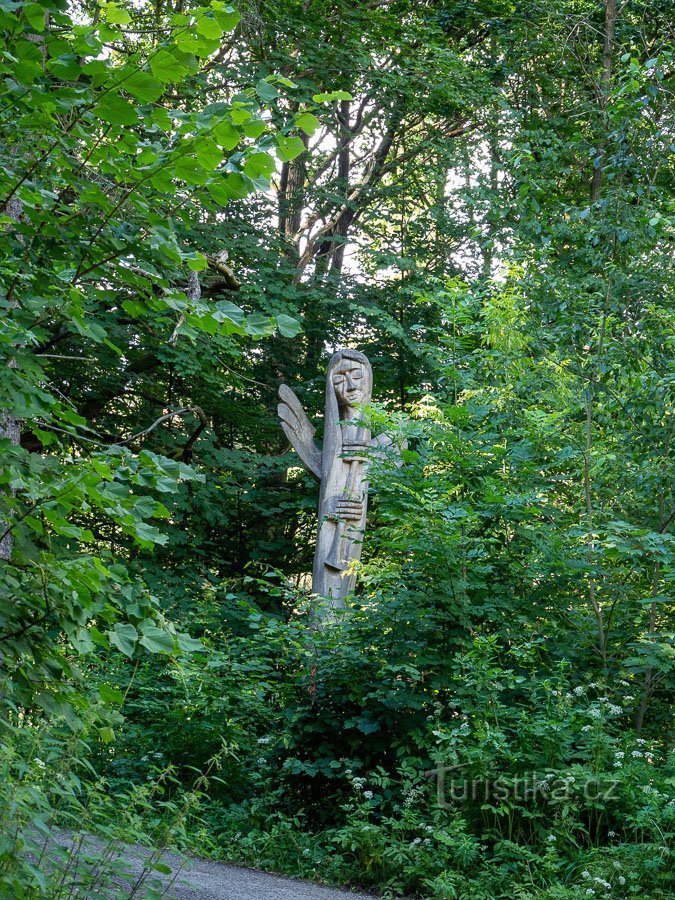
(355, 449)
(347, 509)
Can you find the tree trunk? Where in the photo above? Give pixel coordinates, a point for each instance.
(10, 425)
(603, 95)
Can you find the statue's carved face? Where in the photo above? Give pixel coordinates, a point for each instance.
(349, 382)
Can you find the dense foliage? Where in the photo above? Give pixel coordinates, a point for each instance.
(199, 202)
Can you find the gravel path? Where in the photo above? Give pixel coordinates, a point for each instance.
(208, 880)
(191, 878)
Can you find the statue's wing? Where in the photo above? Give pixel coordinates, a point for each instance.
(384, 447)
(299, 430)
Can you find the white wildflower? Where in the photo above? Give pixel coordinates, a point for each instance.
(622, 880)
(636, 754)
(551, 838)
(579, 691)
(368, 795)
(587, 728)
(264, 740)
(614, 709)
(585, 874)
(619, 754)
(38, 762)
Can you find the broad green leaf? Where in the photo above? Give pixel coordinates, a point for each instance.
(36, 15)
(259, 164)
(125, 637)
(209, 27)
(332, 95)
(143, 87)
(266, 91)
(110, 695)
(308, 123)
(166, 67)
(149, 533)
(115, 14)
(227, 16)
(116, 110)
(208, 153)
(259, 325)
(226, 135)
(156, 640)
(289, 147)
(197, 262)
(189, 644)
(254, 128)
(288, 327)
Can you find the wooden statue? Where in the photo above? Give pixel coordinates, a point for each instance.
(341, 467)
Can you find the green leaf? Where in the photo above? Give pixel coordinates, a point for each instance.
(189, 169)
(226, 135)
(289, 147)
(266, 91)
(160, 867)
(143, 87)
(332, 95)
(209, 27)
(237, 186)
(209, 154)
(110, 695)
(156, 640)
(149, 533)
(35, 15)
(259, 164)
(227, 16)
(254, 128)
(166, 67)
(197, 262)
(191, 42)
(115, 14)
(308, 123)
(116, 110)
(259, 325)
(124, 637)
(288, 327)
(229, 312)
(189, 644)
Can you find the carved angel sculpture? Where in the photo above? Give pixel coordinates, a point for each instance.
(341, 467)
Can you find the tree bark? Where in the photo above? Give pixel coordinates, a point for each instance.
(611, 16)
(10, 425)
